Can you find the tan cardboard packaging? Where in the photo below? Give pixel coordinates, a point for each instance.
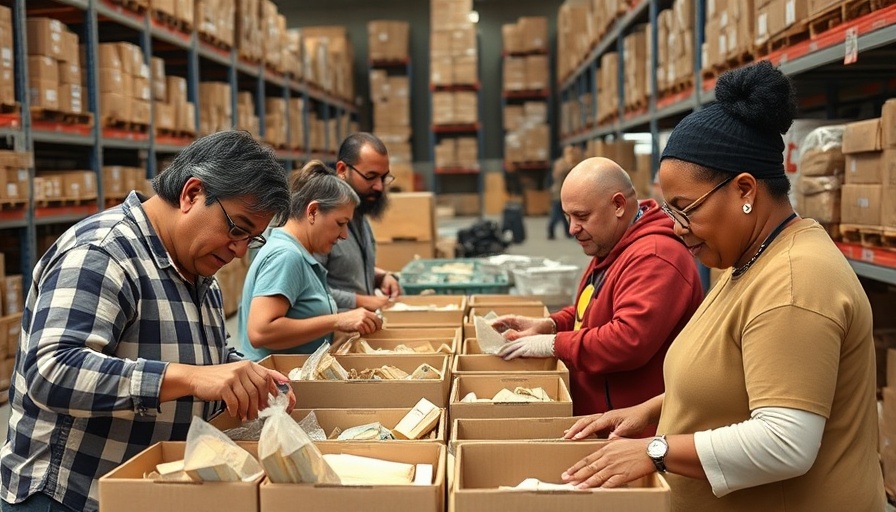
(394, 256)
(863, 168)
(45, 37)
(71, 99)
(862, 136)
(435, 317)
(487, 364)
(44, 94)
(486, 386)
(861, 205)
(888, 124)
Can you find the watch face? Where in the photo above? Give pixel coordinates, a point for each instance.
(657, 449)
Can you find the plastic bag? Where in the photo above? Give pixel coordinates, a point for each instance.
(821, 152)
(211, 456)
(248, 431)
(311, 427)
(286, 452)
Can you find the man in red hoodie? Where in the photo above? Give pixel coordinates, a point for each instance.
(638, 292)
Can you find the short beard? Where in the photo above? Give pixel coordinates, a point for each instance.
(374, 209)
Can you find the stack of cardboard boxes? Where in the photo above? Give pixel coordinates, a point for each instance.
(249, 31)
(675, 46)
(120, 180)
(575, 32)
(14, 171)
(868, 202)
(454, 56)
(635, 52)
(820, 170)
(246, 118)
(182, 11)
(7, 59)
(329, 57)
(607, 79)
(528, 137)
(775, 17)
(54, 69)
(406, 231)
(215, 21)
(390, 95)
(275, 118)
(125, 91)
(279, 48)
(65, 185)
(12, 303)
(730, 28)
(215, 112)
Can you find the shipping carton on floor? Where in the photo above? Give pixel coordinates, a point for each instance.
(124, 488)
(480, 468)
(508, 429)
(487, 364)
(369, 498)
(334, 394)
(486, 386)
(440, 318)
(330, 419)
(536, 310)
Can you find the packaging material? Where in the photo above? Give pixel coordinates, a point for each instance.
(818, 197)
(862, 136)
(125, 488)
(410, 217)
(312, 394)
(821, 152)
(507, 429)
(428, 333)
(45, 37)
(480, 468)
(211, 456)
(13, 294)
(429, 310)
(537, 310)
(888, 124)
(394, 256)
(863, 168)
(484, 300)
(388, 39)
(485, 364)
(490, 385)
(424, 497)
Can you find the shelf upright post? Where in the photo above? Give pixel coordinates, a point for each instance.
(306, 123)
(91, 53)
(25, 142)
(654, 122)
(289, 163)
(260, 102)
(432, 142)
(231, 78)
(146, 46)
(620, 81)
(699, 38)
(592, 72)
(193, 76)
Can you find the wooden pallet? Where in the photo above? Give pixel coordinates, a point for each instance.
(868, 236)
(57, 116)
(172, 21)
(214, 40)
(841, 13)
(607, 118)
(13, 204)
(63, 201)
(796, 33)
(833, 231)
(130, 126)
(10, 108)
(250, 58)
(180, 134)
(132, 5)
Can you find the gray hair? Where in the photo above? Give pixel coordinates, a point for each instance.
(350, 150)
(317, 182)
(230, 164)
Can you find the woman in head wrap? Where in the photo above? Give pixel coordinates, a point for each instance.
(770, 388)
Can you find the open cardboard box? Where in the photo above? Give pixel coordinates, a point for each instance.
(486, 386)
(480, 468)
(446, 318)
(494, 299)
(369, 498)
(417, 333)
(532, 310)
(507, 429)
(330, 419)
(125, 488)
(487, 364)
(435, 343)
(336, 394)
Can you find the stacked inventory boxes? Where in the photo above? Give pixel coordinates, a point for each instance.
(54, 68)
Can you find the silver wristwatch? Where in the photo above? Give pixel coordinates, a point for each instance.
(657, 450)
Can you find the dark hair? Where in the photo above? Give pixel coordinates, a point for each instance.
(230, 164)
(317, 182)
(350, 150)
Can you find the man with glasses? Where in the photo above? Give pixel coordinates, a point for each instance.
(640, 289)
(123, 338)
(352, 274)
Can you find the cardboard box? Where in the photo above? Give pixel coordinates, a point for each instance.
(511, 38)
(818, 197)
(888, 124)
(125, 488)
(416, 344)
(388, 39)
(538, 202)
(442, 318)
(71, 99)
(370, 498)
(42, 68)
(11, 325)
(860, 204)
(533, 32)
(44, 94)
(862, 136)
(45, 37)
(507, 429)
(863, 168)
(487, 300)
(343, 419)
(13, 295)
(387, 334)
(69, 73)
(487, 364)
(463, 203)
(395, 255)
(480, 468)
(532, 310)
(486, 386)
(314, 394)
(410, 216)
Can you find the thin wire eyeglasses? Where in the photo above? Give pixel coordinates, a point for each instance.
(385, 178)
(238, 234)
(681, 216)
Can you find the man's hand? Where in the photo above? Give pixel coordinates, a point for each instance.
(360, 320)
(243, 386)
(371, 302)
(540, 345)
(514, 326)
(390, 286)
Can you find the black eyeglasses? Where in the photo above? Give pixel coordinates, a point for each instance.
(681, 216)
(385, 178)
(238, 234)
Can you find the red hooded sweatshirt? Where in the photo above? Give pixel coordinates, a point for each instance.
(649, 291)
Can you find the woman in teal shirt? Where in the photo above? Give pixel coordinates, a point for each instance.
(286, 306)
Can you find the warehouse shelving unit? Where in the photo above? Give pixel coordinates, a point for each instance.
(90, 146)
(824, 82)
(397, 68)
(464, 179)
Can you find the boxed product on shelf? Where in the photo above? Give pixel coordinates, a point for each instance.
(467, 155)
(862, 151)
(575, 32)
(44, 37)
(481, 468)
(463, 40)
(275, 118)
(608, 87)
(450, 14)
(860, 204)
(818, 197)
(633, 54)
(215, 20)
(71, 99)
(410, 216)
(249, 33)
(13, 294)
(536, 72)
(44, 94)
(466, 107)
(441, 71)
(465, 70)
(388, 39)
(11, 325)
(533, 31)
(511, 38)
(7, 62)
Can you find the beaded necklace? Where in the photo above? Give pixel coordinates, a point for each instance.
(774, 234)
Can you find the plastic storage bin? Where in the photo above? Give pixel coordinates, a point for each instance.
(453, 277)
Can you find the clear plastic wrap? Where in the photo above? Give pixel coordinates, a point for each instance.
(210, 456)
(821, 152)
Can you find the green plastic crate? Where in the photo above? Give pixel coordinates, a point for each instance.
(468, 276)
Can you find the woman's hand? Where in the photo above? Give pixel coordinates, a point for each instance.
(358, 320)
(615, 464)
(628, 422)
